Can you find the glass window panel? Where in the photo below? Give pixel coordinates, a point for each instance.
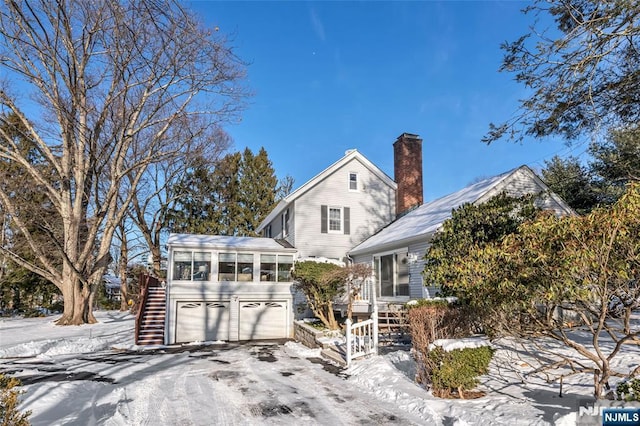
(245, 267)
(227, 267)
(285, 263)
(202, 256)
(334, 219)
(268, 267)
(386, 275)
(182, 256)
(227, 257)
(201, 266)
(182, 265)
(353, 181)
(403, 275)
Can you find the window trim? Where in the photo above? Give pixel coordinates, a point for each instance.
(349, 181)
(335, 231)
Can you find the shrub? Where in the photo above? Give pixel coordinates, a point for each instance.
(457, 370)
(629, 391)
(430, 320)
(320, 283)
(33, 313)
(9, 414)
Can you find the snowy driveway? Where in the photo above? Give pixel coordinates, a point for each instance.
(197, 385)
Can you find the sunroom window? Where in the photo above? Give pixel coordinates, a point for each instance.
(191, 266)
(275, 268)
(235, 267)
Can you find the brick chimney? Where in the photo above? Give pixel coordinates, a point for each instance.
(407, 165)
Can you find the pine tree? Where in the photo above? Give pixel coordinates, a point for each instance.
(230, 197)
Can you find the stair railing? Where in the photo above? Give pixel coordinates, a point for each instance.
(144, 281)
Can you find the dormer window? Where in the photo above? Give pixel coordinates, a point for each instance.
(353, 181)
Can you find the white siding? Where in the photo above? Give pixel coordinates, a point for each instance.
(417, 289)
(523, 182)
(371, 208)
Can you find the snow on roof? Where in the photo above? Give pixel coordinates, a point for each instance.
(226, 242)
(429, 217)
(111, 281)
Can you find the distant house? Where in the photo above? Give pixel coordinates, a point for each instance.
(396, 252)
(336, 210)
(112, 286)
(228, 288)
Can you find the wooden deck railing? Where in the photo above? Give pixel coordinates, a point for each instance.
(145, 281)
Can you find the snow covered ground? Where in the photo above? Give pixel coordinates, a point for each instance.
(94, 375)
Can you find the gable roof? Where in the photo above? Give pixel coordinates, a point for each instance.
(426, 219)
(349, 155)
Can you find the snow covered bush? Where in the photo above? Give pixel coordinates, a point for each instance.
(457, 371)
(9, 414)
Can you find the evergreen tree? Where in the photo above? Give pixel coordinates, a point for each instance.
(580, 66)
(20, 287)
(572, 182)
(615, 162)
(259, 186)
(230, 197)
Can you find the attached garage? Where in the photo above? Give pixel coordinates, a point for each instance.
(228, 288)
(202, 321)
(263, 320)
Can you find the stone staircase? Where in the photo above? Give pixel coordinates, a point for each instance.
(151, 327)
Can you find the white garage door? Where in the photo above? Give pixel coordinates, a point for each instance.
(263, 320)
(202, 321)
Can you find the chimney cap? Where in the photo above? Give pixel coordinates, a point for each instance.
(349, 151)
(406, 135)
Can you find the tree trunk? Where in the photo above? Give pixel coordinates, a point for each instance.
(122, 269)
(77, 306)
(156, 258)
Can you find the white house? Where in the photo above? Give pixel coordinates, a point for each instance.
(228, 288)
(334, 211)
(240, 288)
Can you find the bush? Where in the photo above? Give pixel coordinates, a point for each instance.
(457, 370)
(629, 391)
(9, 414)
(33, 313)
(430, 320)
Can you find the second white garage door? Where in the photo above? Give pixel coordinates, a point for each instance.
(263, 320)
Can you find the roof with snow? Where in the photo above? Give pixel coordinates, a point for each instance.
(226, 242)
(348, 156)
(426, 219)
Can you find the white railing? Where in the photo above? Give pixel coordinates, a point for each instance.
(362, 338)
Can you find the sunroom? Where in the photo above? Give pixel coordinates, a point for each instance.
(228, 288)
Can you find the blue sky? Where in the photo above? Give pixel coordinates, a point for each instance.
(331, 76)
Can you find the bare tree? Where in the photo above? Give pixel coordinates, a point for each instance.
(117, 87)
(159, 192)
